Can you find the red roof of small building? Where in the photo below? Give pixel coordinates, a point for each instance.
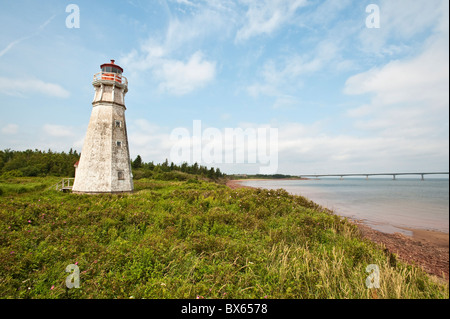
(112, 65)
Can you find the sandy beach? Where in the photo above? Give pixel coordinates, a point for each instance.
(427, 249)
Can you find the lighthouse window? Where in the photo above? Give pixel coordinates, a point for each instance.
(119, 144)
(118, 124)
(120, 175)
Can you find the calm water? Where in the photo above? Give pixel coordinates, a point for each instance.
(384, 204)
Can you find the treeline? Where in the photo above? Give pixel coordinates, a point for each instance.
(37, 163)
(42, 163)
(166, 171)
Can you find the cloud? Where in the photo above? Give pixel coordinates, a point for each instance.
(401, 21)
(265, 17)
(180, 78)
(58, 130)
(175, 76)
(180, 73)
(11, 45)
(17, 41)
(305, 149)
(29, 86)
(408, 97)
(286, 72)
(149, 140)
(408, 105)
(10, 129)
(285, 102)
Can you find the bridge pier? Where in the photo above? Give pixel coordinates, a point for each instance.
(393, 176)
(342, 177)
(367, 177)
(423, 178)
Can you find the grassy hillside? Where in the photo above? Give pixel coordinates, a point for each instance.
(188, 239)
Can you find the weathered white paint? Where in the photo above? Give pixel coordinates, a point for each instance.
(101, 159)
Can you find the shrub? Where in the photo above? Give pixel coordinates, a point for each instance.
(12, 174)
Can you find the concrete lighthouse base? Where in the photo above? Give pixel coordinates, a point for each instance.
(104, 165)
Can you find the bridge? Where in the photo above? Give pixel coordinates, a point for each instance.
(394, 175)
(64, 185)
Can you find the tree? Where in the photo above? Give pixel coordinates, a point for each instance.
(211, 172)
(137, 163)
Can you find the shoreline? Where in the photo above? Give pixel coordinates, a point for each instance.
(428, 249)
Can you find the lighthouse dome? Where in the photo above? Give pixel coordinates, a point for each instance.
(111, 67)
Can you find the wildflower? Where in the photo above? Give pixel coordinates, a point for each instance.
(76, 263)
(53, 286)
(29, 221)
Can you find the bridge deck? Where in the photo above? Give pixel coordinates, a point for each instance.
(375, 174)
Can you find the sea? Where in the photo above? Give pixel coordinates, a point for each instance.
(384, 204)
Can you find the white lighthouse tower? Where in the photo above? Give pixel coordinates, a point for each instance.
(104, 165)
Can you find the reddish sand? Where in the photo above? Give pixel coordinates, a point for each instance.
(427, 249)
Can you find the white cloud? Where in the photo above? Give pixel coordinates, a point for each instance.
(29, 86)
(174, 76)
(285, 102)
(400, 21)
(408, 105)
(149, 140)
(265, 17)
(422, 77)
(161, 55)
(58, 130)
(11, 45)
(303, 149)
(185, 2)
(409, 97)
(15, 42)
(280, 75)
(180, 78)
(10, 129)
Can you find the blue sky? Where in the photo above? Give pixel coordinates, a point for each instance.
(344, 98)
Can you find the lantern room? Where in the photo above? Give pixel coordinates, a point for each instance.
(111, 67)
(110, 73)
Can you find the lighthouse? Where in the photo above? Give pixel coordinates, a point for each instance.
(104, 165)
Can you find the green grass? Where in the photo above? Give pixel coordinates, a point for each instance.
(186, 239)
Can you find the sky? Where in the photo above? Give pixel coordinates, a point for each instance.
(319, 87)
